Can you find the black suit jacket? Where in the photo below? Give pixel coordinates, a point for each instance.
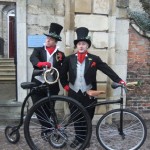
(40, 55)
(92, 64)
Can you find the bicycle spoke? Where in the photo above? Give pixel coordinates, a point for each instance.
(109, 135)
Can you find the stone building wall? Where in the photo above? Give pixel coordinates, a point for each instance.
(139, 70)
(104, 19)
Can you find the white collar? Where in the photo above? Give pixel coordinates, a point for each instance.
(77, 54)
(57, 47)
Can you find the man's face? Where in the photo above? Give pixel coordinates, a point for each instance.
(50, 42)
(82, 46)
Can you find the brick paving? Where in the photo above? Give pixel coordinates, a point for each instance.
(22, 145)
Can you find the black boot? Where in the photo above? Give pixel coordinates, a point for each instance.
(74, 144)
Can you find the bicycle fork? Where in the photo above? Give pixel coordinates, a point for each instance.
(53, 113)
(120, 129)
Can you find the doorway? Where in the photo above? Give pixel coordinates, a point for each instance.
(11, 35)
(8, 82)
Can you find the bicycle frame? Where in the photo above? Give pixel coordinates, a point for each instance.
(23, 107)
(53, 113)
(119, 101)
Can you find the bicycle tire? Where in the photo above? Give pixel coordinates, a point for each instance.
(134, 129)
(32, 127)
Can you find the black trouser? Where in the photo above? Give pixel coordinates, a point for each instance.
(85, 100)
(43, 113)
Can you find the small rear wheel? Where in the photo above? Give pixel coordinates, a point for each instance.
(57, 141)
(12, 134)
(110, 136)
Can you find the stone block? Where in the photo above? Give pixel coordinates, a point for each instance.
(59, 7)
(103, 54)
(34, 29)
(121, 57)
(34, 2)
(21, 17)
(32, 9)
(68, 51)
(111, 40)
(122, 13)
(100, 110)
(100, 40)
(32, 19)
(61, 44)
(69, 38)
(122, 45)
(112, 23)
(45, 20)
(112, 8)
(101, 76)
(83, 6)
(122, 26)
(111, 56)
(69, 15)
(101, 6)
(102, 87)
(123, 3)
(47, 3)
(92, 22)
(121, 70)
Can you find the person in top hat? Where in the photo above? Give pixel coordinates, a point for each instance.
(78, 76)
(48, 55)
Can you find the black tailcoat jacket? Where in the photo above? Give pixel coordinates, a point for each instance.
(92, 64)
(40, 55)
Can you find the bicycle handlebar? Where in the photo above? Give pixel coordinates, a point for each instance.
(129, 86)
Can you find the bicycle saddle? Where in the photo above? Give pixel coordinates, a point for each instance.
(28, 85)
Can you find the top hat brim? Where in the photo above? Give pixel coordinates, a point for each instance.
(57, 38)
(86, 40)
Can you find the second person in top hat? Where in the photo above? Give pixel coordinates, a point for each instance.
(78, 76)
(48, 55)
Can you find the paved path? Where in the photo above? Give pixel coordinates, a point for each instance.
(21, 145)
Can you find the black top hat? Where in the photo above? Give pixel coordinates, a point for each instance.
(82, 35)
(54, 31)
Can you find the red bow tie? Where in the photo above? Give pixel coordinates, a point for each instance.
(50, 49)
(81, 57)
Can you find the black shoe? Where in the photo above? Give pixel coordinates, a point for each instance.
(74, 144)
(45, 134)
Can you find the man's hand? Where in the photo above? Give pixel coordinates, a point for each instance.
(44, 64)
(94, 92)
(122, 82)
(67, 88)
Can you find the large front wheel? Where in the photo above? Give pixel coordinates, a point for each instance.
(45, 130)
(110, 135)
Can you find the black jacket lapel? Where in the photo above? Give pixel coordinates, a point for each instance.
(87, 63)
(44, 54)
(74, 63)
(54, 58)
